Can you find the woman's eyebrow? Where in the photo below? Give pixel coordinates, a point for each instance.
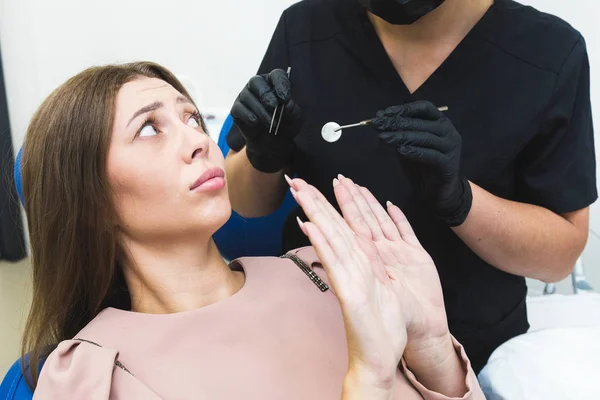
(146, 109)
(155, 106)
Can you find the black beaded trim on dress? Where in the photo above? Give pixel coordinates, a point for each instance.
(323, 287)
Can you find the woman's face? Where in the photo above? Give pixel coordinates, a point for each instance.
(166, 173)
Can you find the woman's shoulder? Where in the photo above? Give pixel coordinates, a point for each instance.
(79, 369)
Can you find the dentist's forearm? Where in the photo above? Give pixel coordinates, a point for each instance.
(252, 193)
(524, 239)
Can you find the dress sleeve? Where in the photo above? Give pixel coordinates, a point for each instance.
(275, 57)
(78, 370)
(557, 168)
(474, 392)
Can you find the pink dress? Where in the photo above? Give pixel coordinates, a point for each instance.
(279, 337)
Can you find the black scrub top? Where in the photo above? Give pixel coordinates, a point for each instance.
(517, 88)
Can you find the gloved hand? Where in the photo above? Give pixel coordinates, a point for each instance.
(252, 112)
(424, 136)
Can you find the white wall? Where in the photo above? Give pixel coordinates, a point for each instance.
(215, 43)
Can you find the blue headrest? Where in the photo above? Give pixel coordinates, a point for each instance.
(17, 176)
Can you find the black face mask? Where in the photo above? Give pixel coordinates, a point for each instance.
(400, 12)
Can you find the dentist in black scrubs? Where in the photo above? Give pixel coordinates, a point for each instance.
(497, 188)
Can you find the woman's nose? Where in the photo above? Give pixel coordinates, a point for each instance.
(195, 144)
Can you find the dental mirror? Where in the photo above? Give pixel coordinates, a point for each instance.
(332, 131)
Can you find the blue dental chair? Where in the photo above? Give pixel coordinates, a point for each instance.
(239, 237)
(14, 386)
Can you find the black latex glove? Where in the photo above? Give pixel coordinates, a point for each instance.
(426, 138)
(252, 113)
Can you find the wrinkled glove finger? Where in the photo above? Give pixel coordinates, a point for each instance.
(260, 87)
(423, 156)
(281, 85)
(253, 104)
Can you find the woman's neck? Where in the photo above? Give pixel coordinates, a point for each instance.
(178, 277)
(454, 18)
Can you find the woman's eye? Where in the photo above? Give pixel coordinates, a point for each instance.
(148, 130)
(193, 122)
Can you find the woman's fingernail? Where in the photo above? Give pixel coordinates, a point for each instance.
(288, 180)
(335, 182)
(301, 224)
(340, 177)
(293, 192)
(389, 204)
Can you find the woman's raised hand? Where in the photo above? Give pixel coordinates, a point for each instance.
(386, 283)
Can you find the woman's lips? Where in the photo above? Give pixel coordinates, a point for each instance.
(211, 184)
(212, 179)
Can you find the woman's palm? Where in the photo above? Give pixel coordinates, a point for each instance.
(386, 283)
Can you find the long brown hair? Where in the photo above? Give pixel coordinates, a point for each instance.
(75, 250)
